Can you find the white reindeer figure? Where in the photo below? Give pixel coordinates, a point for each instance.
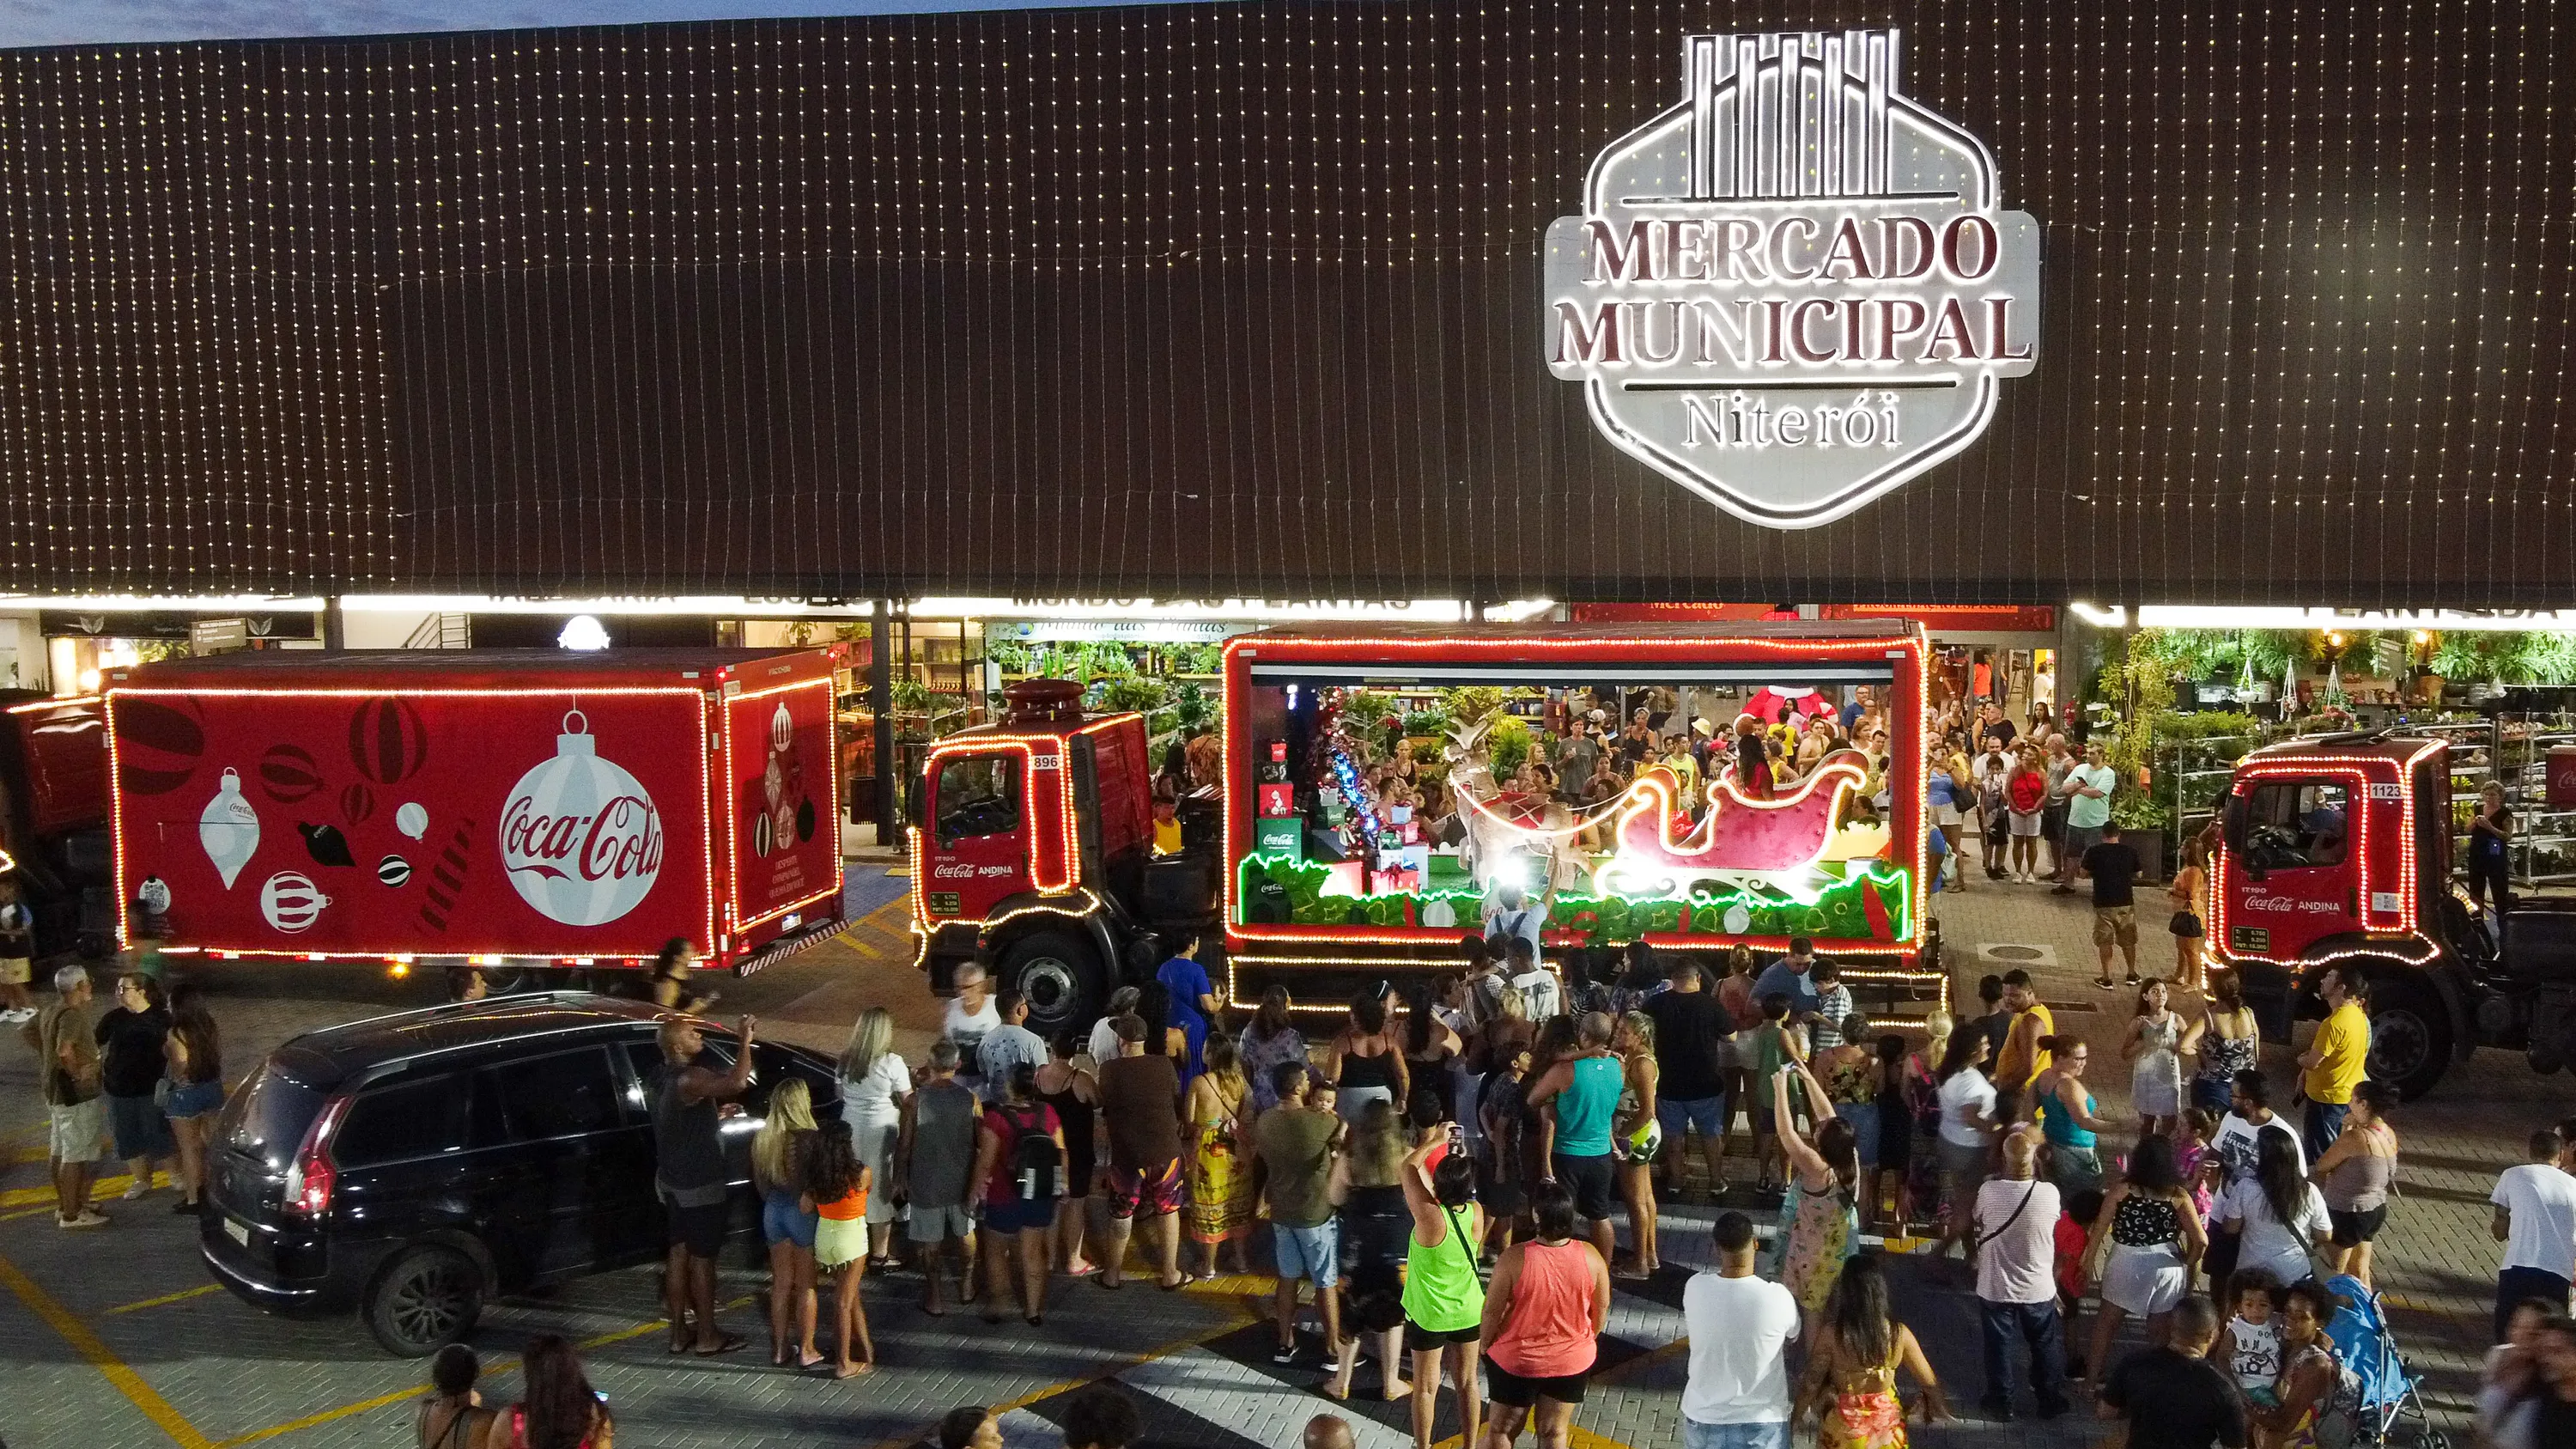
(1502, 829)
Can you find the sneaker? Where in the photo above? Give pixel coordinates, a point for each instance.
(137, 1188)
(17, 1014)
(89, 1218)
(1284, 1355)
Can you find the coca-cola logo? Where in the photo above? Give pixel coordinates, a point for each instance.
(622, 840)
(2285, 903)
(954, 870)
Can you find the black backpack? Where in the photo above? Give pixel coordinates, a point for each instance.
(1037, 1164)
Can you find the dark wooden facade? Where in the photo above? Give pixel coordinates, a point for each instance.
(1240, 299)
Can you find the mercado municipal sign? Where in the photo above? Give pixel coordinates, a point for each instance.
(1797, 288)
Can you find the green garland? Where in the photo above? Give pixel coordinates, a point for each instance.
(1839, 913)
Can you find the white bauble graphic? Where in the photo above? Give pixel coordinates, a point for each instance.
(782, 730)
(393, 870)
(760, 833)
(579, 835)
(412, 819)
(229, 829)
(1738, 920)
(154, 893)
(291, 902)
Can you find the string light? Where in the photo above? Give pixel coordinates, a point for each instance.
(2371, 780)
(721, 942)
(1233, 299)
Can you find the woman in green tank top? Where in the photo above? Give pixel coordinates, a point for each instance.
(1444, 1293)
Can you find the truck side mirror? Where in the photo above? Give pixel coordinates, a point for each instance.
(2232, 826)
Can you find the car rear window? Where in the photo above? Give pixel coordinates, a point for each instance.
(406, 1119)
(267, 1117)
(564, 1095)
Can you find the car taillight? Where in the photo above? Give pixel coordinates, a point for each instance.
(310, 1180)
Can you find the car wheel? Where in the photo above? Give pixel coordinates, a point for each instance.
(1059, 975)
(2410, 1034)
(428, 1297)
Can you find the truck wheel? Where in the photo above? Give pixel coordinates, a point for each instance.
(1059, 975)
(429, 1296)
(2410, 1035)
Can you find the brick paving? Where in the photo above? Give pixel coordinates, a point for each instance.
(90, 1363)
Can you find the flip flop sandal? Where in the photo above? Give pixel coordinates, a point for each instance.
(725, 1343)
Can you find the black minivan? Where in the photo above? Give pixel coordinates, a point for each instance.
(412, 1166)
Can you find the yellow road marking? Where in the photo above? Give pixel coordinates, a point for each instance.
(180, 1297)
(105, 1187)
(89, 1346)
(12, 1217)
(496, 1366)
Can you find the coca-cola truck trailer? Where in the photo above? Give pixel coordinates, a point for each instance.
(518, 808)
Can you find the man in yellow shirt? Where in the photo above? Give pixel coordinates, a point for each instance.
(2022, 1059)
(2334, 1062)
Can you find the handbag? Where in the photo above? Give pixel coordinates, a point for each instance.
(162, 1091)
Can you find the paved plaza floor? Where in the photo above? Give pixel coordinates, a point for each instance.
(117, 1337)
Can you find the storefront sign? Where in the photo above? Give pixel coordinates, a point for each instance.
(1796, 288)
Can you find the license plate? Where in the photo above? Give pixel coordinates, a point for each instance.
(239, 1231)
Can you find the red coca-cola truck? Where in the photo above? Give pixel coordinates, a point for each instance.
(510, 808)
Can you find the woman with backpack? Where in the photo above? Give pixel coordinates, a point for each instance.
(1019, 1174)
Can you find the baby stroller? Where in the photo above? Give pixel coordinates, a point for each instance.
(2369, 1347)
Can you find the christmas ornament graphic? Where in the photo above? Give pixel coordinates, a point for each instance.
(387, 741)
(157, 746)
(154, 893)
(357, 802)
(325, 844)
(447, 877)
(412, 819)
(288, 774)
(393, 870)
(580, 837)
(291, 902)
(229, 829)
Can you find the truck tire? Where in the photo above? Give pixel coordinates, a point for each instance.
(1060, 976)
(2410, 1033)
(429, 1296)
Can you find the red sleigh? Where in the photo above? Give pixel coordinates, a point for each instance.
(1740, 834)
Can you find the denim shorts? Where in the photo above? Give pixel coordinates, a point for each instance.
(1308, 1252)
(780, 1222)
(1863, 1117)
(1696, 1435)
(1706, 1114)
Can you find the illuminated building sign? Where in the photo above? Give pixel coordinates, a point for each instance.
(1796, 288)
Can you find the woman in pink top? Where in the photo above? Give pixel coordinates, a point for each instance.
(1543, 1319)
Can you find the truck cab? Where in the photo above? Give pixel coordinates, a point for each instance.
(1032, 855)
(2339, 850)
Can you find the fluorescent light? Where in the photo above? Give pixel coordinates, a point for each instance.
(1248, 611)
(162, 603)
(2114, 617)
(710, 604)
(2219, 616)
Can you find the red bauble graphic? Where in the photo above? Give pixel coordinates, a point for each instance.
(357, 802)
(288, 773)
(387, 741)
(157, 745)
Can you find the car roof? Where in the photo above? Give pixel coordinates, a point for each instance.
(325, 1058)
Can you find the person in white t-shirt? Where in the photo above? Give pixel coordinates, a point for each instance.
(2015, 1218)
(1538, 987)
(2535, 1219)
(2233, 1152)
(1967, 1123)
(1741, 1326)
(971, 1016)
(2279, 1214)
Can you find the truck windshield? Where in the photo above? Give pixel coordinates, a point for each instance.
(2293, 824)
(978, 795)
